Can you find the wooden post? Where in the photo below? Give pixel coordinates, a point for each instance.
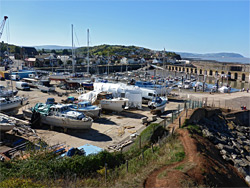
(140, 141)
(142, 153)
(106, 174)
(127, 165)
(173, 131)
(172, 116)
(179, 122)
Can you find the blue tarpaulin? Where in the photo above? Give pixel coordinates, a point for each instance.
(88, 148)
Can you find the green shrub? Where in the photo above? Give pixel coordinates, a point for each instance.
(19, 183)
(194, 129)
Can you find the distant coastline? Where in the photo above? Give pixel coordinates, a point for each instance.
(241, 60)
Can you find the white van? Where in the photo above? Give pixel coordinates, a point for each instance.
(22, 86)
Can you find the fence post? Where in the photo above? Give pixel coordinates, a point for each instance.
(140, 141)
(127, 165)
(179, 108)
(142, 153)
(106, 174)
(172, 116)
(179, 122)
(121, 149)
(173, 131)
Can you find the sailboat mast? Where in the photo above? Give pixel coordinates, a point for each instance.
(88, 49)
(108, 64)
(164, 63)
(73, 61)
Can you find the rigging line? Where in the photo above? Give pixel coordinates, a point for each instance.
(8, 32)
(77, 39)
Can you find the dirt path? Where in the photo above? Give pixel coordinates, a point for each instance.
(172, 175)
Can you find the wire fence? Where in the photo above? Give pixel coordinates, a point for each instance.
(228, 103)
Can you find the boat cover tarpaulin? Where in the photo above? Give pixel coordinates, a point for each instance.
(132, 93)
(88, 149)
(42, 108)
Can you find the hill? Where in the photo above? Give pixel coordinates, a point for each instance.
(121, 50)
(52, 47)
(211, 55)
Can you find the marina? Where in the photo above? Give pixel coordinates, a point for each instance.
(124, 94)
(109, 125)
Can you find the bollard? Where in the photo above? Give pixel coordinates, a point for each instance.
(186, 112)
(152, 148)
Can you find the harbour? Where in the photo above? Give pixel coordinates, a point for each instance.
(105, 98)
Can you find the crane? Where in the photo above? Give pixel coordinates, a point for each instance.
(2, 25)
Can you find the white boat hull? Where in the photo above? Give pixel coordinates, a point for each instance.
(114, 104)
(4, 127)
(11, 105)
(45, 88)
(91, 113)
(59, 77)
(66, 122)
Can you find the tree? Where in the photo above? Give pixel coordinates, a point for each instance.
(53, 51)
(65, 52)
(17, 50)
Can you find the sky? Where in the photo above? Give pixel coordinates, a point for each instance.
(182, 26)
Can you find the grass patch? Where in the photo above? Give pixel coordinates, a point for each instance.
(45, 169)
(180, 167)
(163, 174)
(194, 129)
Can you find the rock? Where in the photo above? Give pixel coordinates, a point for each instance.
(234, 156)
(219, 146)
(223, 152)
(240, 162)
(239, 141)
(207, 134)
(242, 171)
(247, 179)
(248, 158)
(247, 148)
(225, 157)
(229, 149)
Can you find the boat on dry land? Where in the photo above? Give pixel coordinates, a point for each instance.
(59, 115)
(105, 100)
(11, 103)
(6, 124)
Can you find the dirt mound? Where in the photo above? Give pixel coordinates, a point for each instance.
(202, 166)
